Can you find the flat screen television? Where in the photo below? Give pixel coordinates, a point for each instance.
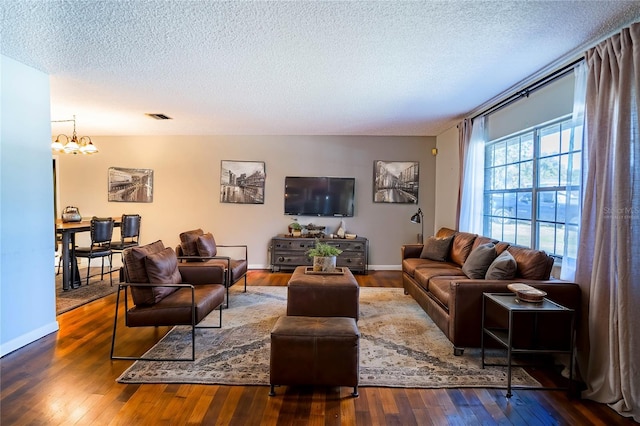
(319, 196)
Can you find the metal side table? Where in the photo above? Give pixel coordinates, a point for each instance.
(510, 305)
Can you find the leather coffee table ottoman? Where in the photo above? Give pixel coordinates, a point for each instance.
(320, 295)
(320, 351)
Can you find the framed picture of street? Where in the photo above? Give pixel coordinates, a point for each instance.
(130, 185)
(242, 182)
(395, 182)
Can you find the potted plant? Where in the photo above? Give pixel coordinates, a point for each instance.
(324, 256)
(295, 229)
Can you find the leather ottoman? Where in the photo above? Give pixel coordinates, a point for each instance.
(315, 295)
(320, 351)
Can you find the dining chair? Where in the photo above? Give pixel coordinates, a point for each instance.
(129, 233)
(101, 234)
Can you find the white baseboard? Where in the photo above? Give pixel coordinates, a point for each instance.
(27, 338)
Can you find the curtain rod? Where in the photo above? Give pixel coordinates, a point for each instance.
(561, 72)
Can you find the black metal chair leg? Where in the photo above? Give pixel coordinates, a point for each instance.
(88, 269)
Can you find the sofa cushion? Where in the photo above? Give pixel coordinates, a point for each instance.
(424, 275)
(436, 248)
(207, 245)
(479, 260)
(412, 264)
(162, 268)
(532, 264)
(502, 268)
(440, 290)
(188, 242)
(461, 247)
(136, 271)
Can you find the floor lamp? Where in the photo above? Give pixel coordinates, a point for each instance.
(418, 218)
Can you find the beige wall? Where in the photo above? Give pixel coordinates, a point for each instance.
(447, 180)
(187, 182)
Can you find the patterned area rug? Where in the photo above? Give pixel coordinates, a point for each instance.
(399, 347)
(71, 299)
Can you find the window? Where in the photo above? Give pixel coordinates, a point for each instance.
(532, 184)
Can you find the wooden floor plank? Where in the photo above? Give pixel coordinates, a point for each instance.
(67, 378)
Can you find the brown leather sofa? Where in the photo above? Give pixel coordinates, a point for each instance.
(454, 301)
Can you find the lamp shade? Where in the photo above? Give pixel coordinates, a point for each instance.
(417, 218)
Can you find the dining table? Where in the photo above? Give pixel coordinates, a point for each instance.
(68, 231)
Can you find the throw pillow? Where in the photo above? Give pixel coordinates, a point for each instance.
(479, 260)
(136, 270)
(207, 245)
(436, 248)
(162, 268)
(189, 242)
(502, 268)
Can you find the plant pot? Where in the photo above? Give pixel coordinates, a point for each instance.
(324, 264)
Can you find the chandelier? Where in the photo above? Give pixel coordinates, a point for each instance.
(73, 145)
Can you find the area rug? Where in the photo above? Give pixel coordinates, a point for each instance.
(71, 299)
(400, 346)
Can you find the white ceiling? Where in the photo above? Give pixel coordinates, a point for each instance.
(292, 68)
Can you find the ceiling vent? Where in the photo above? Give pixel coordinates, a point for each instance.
(159, 116)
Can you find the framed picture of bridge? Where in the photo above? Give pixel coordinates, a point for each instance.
(396, 181)
(130, 185)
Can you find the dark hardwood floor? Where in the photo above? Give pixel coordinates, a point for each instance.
(67, 378)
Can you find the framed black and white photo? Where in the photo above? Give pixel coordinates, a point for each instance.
(395, 182)
(242, 182)
(130, 185)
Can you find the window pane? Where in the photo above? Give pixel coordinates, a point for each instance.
(564, 168)
(526, 174)
(576, 173)
(489, 156)
(568, 210)
(526, 152)
(547, 237)
(502, 206)
(550, 140)
(513, 176)
(513, 151)
(523, 207)
(565, 139)
(577, 138)
(523, 237)
(547, 206)
(548, 171)
(498, 178)
(499, 153)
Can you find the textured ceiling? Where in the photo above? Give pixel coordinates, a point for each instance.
(292, 68)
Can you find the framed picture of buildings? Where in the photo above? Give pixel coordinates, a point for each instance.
(395, 181)
(130, 185)
(242, 182)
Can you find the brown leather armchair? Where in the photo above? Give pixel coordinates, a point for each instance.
(197, 247)
(164, 293)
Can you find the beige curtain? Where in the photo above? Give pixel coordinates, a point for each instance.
(608, 261)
